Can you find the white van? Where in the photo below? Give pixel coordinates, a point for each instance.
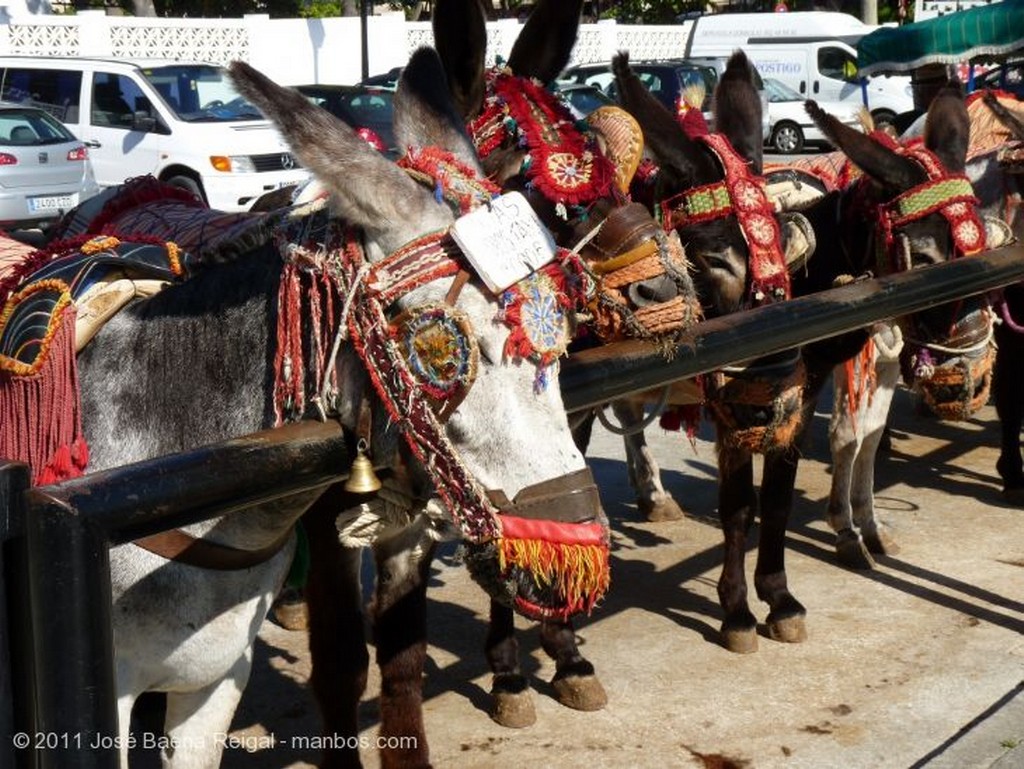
(813, 52)
(182, 122)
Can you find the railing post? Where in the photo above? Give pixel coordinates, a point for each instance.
(17, 696)
(70, 597)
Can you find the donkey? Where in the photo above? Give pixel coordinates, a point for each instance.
(418, 377)
(728, 278)
(529, 142)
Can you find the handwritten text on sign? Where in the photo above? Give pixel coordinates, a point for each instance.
(504, 241)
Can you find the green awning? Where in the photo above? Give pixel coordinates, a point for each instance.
(982, 34)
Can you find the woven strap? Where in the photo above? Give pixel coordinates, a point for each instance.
(397, 389)
(946, 193)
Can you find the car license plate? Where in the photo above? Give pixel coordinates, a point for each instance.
(51, 203)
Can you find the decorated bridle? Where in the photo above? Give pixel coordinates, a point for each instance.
(956, 389)
(942, 192)
(421, 363)
(743, 195)
(775, 387)
(564, 161)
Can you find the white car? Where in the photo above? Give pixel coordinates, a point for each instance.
(790, 128)
(44, 170)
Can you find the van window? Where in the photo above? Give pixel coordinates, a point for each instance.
(836, 63)
(115, 99)
(54, 90)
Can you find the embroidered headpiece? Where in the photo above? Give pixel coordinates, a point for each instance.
(563, 161)
(947, 193)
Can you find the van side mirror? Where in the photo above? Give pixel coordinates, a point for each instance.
(143, 121)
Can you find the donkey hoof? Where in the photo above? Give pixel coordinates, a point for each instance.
(853, 554)
(739, 640)
(289, 610)
(662, 510)
(513, 710)
(1014, 495)
(881, 542)
(790, 630)
(580, 692)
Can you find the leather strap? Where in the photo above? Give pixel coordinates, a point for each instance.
(177, 545)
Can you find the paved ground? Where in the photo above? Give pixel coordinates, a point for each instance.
(917, 664)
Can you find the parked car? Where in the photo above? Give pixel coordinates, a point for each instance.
(183, 122)
(387, 79)
(583, 98)
(368, 110)
(666, 79)
(44, 169)
(790, 127)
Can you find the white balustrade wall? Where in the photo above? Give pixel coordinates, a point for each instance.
(294, 51)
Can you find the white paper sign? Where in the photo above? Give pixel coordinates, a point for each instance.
(505, 241)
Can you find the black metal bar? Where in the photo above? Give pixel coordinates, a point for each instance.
(17, 694)
(165, 493)
(593, 377)
(71, 526)
(69, 577)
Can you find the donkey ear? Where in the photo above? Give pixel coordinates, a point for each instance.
(545, 42)
(662, 134)
(367, 189)
(871, 156)
(737, 110)
(425, 115)
(460, 36)
(947, 127)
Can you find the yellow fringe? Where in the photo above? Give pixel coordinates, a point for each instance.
(580, 574)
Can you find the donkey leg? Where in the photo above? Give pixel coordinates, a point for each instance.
(400, 634)
(512, 703)
(196, 721)
(337, 638)
(644, 474)
(736, 507)
(786, 615)
(844, 444)
(876, 535)
(845, 434)
(576, 684)
(1010, 410)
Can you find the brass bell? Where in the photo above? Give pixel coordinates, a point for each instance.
(361, 477)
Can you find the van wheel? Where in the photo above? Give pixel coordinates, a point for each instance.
(787, 138)
(188, 183)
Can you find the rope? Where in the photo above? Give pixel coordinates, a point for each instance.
(976, 347)
(886, 352)
(640, 426)
(340, 336)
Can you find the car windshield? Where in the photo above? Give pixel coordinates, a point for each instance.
(586, 98)
(200, 93)
(778, 91)
(31, 128)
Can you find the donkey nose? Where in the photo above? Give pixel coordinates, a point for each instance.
(653, 291)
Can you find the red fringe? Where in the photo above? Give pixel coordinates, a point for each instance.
(40, 415)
